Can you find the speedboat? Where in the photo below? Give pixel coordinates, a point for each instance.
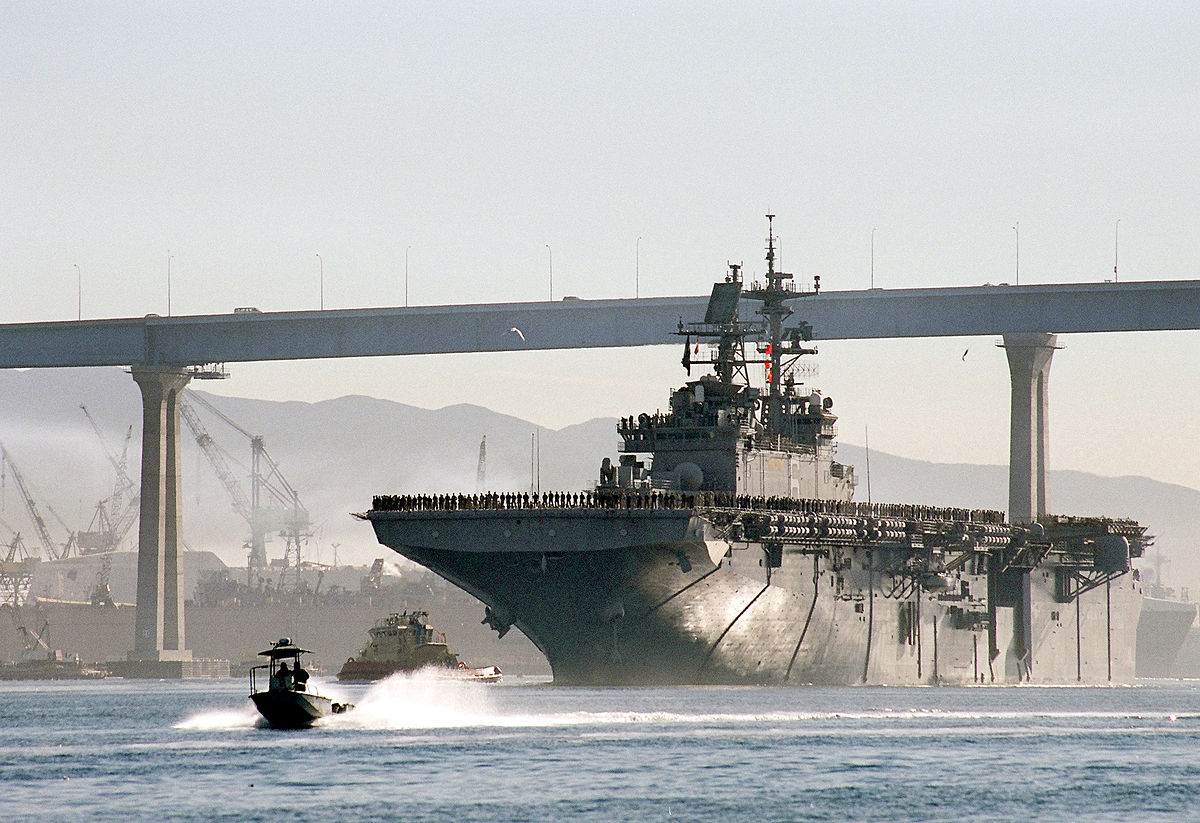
(288, 702)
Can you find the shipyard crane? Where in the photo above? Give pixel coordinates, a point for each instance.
(116, 514)
(273, 504)
(39, 524)
(16, 546)
(36, 647)
(124, 483)
(217, 460)
(16, 571)
(72, 535)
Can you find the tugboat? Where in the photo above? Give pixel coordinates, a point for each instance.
(406, 643)
(287, 702)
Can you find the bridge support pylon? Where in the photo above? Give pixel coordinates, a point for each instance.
(159, 627)
(1029, 356)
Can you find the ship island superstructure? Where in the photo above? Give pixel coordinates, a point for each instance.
(724, 546)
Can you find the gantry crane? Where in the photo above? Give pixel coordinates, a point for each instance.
(273, 505)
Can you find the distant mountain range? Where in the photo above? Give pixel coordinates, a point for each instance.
(338, 453)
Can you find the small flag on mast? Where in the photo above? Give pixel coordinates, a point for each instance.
(687, 354)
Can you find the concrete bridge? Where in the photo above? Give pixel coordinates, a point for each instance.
(164, 353)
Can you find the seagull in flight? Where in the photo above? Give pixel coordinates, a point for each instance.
(517, 332)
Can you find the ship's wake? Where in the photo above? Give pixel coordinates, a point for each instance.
(426, 701)
(430, 700)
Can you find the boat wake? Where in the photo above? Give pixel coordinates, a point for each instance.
(419, 700)
(425, 701)
(428, 700)
(216, 719)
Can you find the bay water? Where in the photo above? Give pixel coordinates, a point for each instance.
(421, 748)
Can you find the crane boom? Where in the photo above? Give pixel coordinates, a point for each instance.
(39, 524)
(204, 440)
(123, 479)
(204, 402)
(287, 515)
(120, 510)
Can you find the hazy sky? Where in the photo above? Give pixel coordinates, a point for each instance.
(246, 139)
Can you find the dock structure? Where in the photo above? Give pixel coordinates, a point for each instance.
(164, 353)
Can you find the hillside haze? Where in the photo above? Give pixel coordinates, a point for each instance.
(338, 453)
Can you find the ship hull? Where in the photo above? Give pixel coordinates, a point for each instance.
(646, 597)
(1162, 629)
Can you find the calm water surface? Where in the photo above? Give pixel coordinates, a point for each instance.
(419, 749)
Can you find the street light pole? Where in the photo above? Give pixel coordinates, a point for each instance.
(1017, 229)
(79, 286)
(637, 270)
(1116, 247)
(168, 282)
(551, 251)
(322, 262)
(406, 251)
(872, 257)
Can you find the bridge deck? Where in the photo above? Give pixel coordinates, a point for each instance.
(571, 323)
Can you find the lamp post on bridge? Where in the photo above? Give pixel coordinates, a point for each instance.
(872, 257)
(169, 255)
(406, 251)
(637, 268)
(1116, 247)
(79, 293)
(1017, 229)
(322, 262)
(551, 252)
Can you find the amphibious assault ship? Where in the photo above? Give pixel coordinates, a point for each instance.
(735, 553)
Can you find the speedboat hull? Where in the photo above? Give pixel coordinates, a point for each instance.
(293, 710)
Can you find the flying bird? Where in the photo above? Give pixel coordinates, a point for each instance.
(517, 332)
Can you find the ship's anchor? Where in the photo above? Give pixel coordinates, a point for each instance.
(497, 619)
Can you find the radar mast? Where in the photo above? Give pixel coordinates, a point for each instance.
(779, 347)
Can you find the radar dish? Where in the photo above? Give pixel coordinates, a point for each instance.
(722, 305)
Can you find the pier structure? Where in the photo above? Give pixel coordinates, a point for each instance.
(164, 352)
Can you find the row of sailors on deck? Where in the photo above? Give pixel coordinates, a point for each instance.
(626, 499)
(551, 500)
